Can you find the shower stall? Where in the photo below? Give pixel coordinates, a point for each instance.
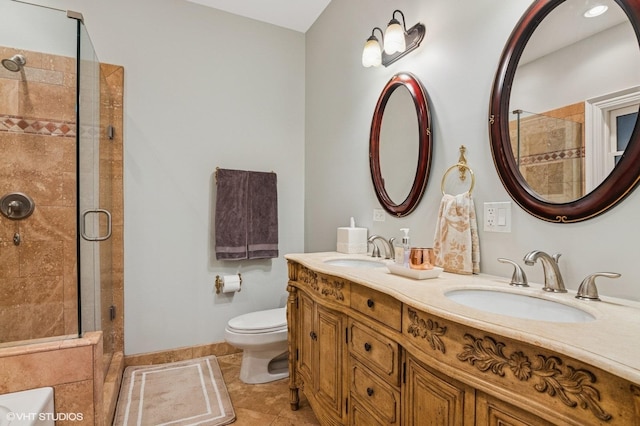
(549, 152)
(60, 179)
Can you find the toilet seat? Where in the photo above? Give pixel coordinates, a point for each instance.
(259, 322)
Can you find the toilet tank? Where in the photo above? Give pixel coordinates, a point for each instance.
(32, 407)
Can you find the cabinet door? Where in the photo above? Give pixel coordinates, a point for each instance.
(432, 399)
(305, 337)
(328, 364)
(491, 411)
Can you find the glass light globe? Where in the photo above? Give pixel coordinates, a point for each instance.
(372, 54)
(394, 38)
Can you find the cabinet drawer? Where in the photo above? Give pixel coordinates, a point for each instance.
(377, 396)
(376, 351)
(360, 415)
(379, 306)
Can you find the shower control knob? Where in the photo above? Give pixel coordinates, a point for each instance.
(16, 205)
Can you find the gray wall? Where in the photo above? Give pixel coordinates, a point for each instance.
(456, 63)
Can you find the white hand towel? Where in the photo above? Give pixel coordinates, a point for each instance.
(456, 243)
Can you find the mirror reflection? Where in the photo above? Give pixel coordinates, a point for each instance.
(574, 100)
(399, 144)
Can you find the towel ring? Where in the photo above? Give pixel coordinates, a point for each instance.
(458, 166)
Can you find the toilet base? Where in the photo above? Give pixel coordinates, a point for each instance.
(264, 366)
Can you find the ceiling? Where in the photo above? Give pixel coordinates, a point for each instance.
(297, 15)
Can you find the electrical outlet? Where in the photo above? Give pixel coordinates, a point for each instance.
(378, 215)
(497, 217)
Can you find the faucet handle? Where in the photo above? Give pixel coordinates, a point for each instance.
(588, 289)
(519, 278)
(556, 256)
(375, 252)
(392, 249)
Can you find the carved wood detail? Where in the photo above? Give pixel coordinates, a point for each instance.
(307, 276)
(327, 286)
(568, 384)
(332, 288)
(427, 329)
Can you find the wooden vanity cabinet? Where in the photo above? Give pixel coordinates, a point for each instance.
(362, 357)
(320, 354)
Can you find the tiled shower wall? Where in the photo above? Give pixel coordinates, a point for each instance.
(38, 296)
(552, 152)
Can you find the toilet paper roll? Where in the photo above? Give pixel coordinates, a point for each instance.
(231, 283)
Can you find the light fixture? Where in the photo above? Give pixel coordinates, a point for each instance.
(397, 41)
(596, 11)
(372, 53)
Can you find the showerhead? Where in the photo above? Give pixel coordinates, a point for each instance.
(15, 63)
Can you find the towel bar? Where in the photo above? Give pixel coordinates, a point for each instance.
(218, 168)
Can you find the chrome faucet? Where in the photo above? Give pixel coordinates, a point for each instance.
(552, 278)
(389, 252)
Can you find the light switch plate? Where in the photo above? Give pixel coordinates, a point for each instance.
(497, 216)
(378, 215)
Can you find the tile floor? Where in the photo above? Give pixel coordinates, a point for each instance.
(263, 404)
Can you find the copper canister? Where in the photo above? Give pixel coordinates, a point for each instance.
(421, 258)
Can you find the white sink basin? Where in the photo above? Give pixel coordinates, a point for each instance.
(355, 263)
(518, 305)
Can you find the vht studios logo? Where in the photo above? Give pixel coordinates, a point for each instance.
(70, 417)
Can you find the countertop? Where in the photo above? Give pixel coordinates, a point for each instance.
(610, 342)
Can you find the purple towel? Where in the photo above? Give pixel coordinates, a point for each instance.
(246, 223)
(231, 214)
(262, 225)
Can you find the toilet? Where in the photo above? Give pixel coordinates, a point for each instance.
(262, 336)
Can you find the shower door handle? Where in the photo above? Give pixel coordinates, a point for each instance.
(83, 226)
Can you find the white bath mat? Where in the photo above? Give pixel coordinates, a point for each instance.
(178, 394)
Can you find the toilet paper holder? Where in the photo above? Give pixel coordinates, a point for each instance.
(220, 283)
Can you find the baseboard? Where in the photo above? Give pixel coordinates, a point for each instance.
(180, 354)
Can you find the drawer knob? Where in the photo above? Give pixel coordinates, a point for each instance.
(313, 335)
(369, 391)
(370, 303)
(367, 347)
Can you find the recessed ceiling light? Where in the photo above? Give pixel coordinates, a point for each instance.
(596, 11)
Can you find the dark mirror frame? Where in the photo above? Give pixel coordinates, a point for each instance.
(419, 96)
(622, 180)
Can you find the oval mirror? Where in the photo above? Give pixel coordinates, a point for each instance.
(400, 144)
(564, 109)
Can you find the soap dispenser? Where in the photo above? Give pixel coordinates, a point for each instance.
(406, 247)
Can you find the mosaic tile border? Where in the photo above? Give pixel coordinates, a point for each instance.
(549, 157)
(15, 124)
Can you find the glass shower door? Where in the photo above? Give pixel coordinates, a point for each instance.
(95, 199)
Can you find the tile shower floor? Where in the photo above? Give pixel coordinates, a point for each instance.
(263, 404)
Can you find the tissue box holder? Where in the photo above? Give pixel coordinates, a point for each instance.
(352, 240)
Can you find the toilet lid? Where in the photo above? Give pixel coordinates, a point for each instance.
(260, 321)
